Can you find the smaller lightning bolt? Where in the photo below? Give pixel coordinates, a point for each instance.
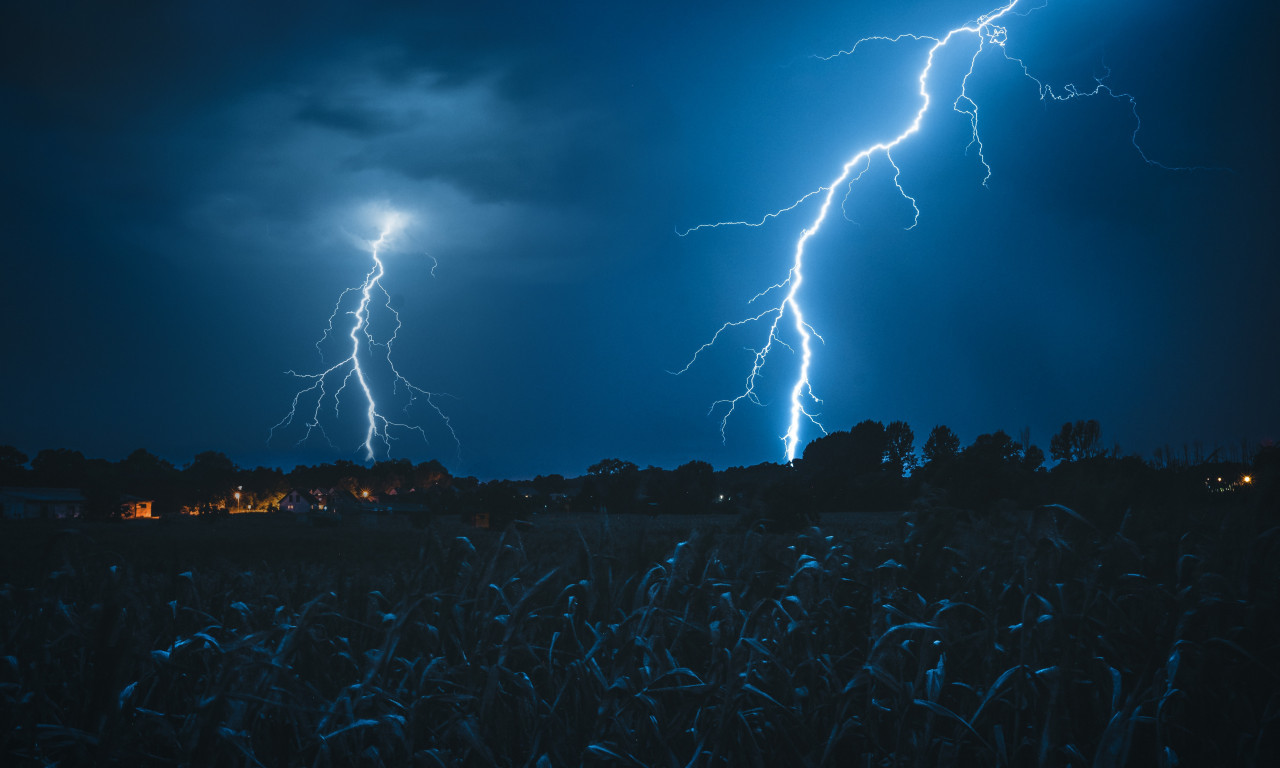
(984, 33)
(354, 366)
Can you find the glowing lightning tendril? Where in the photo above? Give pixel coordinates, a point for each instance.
(985, 32)
(362, 343)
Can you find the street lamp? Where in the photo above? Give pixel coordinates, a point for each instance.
(237, 495)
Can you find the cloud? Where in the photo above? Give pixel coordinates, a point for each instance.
(354, 119)
(468, 134)
(282, 170)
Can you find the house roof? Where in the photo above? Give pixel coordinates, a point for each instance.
(46, 495)
(305, 496)
(341, 494)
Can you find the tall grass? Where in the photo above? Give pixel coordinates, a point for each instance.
(1022, 640)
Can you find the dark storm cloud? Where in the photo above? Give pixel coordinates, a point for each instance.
(466, 134)
(356, 120)
(263, 121)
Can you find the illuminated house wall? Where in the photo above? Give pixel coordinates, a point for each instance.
(299, 502)
(134, 508)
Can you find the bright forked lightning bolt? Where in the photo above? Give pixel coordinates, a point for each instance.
(358, 364)
(982, 34)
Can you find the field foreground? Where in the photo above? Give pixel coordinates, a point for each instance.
(929, 638)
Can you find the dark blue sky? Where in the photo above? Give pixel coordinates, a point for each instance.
(188, 188)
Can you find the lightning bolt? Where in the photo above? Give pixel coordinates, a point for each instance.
(983, 34)
(372, 296)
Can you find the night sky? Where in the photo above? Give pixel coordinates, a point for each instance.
(188, 187)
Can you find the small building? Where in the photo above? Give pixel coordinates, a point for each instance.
(41, 503)
(300, 502)
(135, 508)
(340, 501)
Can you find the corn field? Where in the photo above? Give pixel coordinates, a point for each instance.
(1023, 639)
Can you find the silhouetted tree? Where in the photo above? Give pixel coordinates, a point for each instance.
(589, 497)
(387, 476)
(861, 450)
(209, 479)
(900, 452)
(263, 487)
(13, 466)
(688, 489)
(940, 451)
(991, 468)
(1265, 478)
(59, 468)
(616, 484)
(941, 446)
(849, 471)
(349, 476)
(546, 485)
(1081, 440)
(1032, 455)
(994, 448)
(144, 467)
(1060, 444)
(868, 446)
(744, 487)
(429, 474)
(1032, 458)
(1104, 489)
(103, 488)
(146, 475)
(611, 467)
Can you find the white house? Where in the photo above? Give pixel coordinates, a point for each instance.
(299, 502)
(36, 503)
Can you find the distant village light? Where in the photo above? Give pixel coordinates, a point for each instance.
(1247, 479)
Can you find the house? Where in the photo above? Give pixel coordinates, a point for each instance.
(340, 501)
(41, 503)
(135, 508)
(300, 502)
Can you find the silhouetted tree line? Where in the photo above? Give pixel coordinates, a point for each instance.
(874, 466)
(211, 482)
(871, 466)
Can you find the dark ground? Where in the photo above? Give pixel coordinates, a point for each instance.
(933, 637)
